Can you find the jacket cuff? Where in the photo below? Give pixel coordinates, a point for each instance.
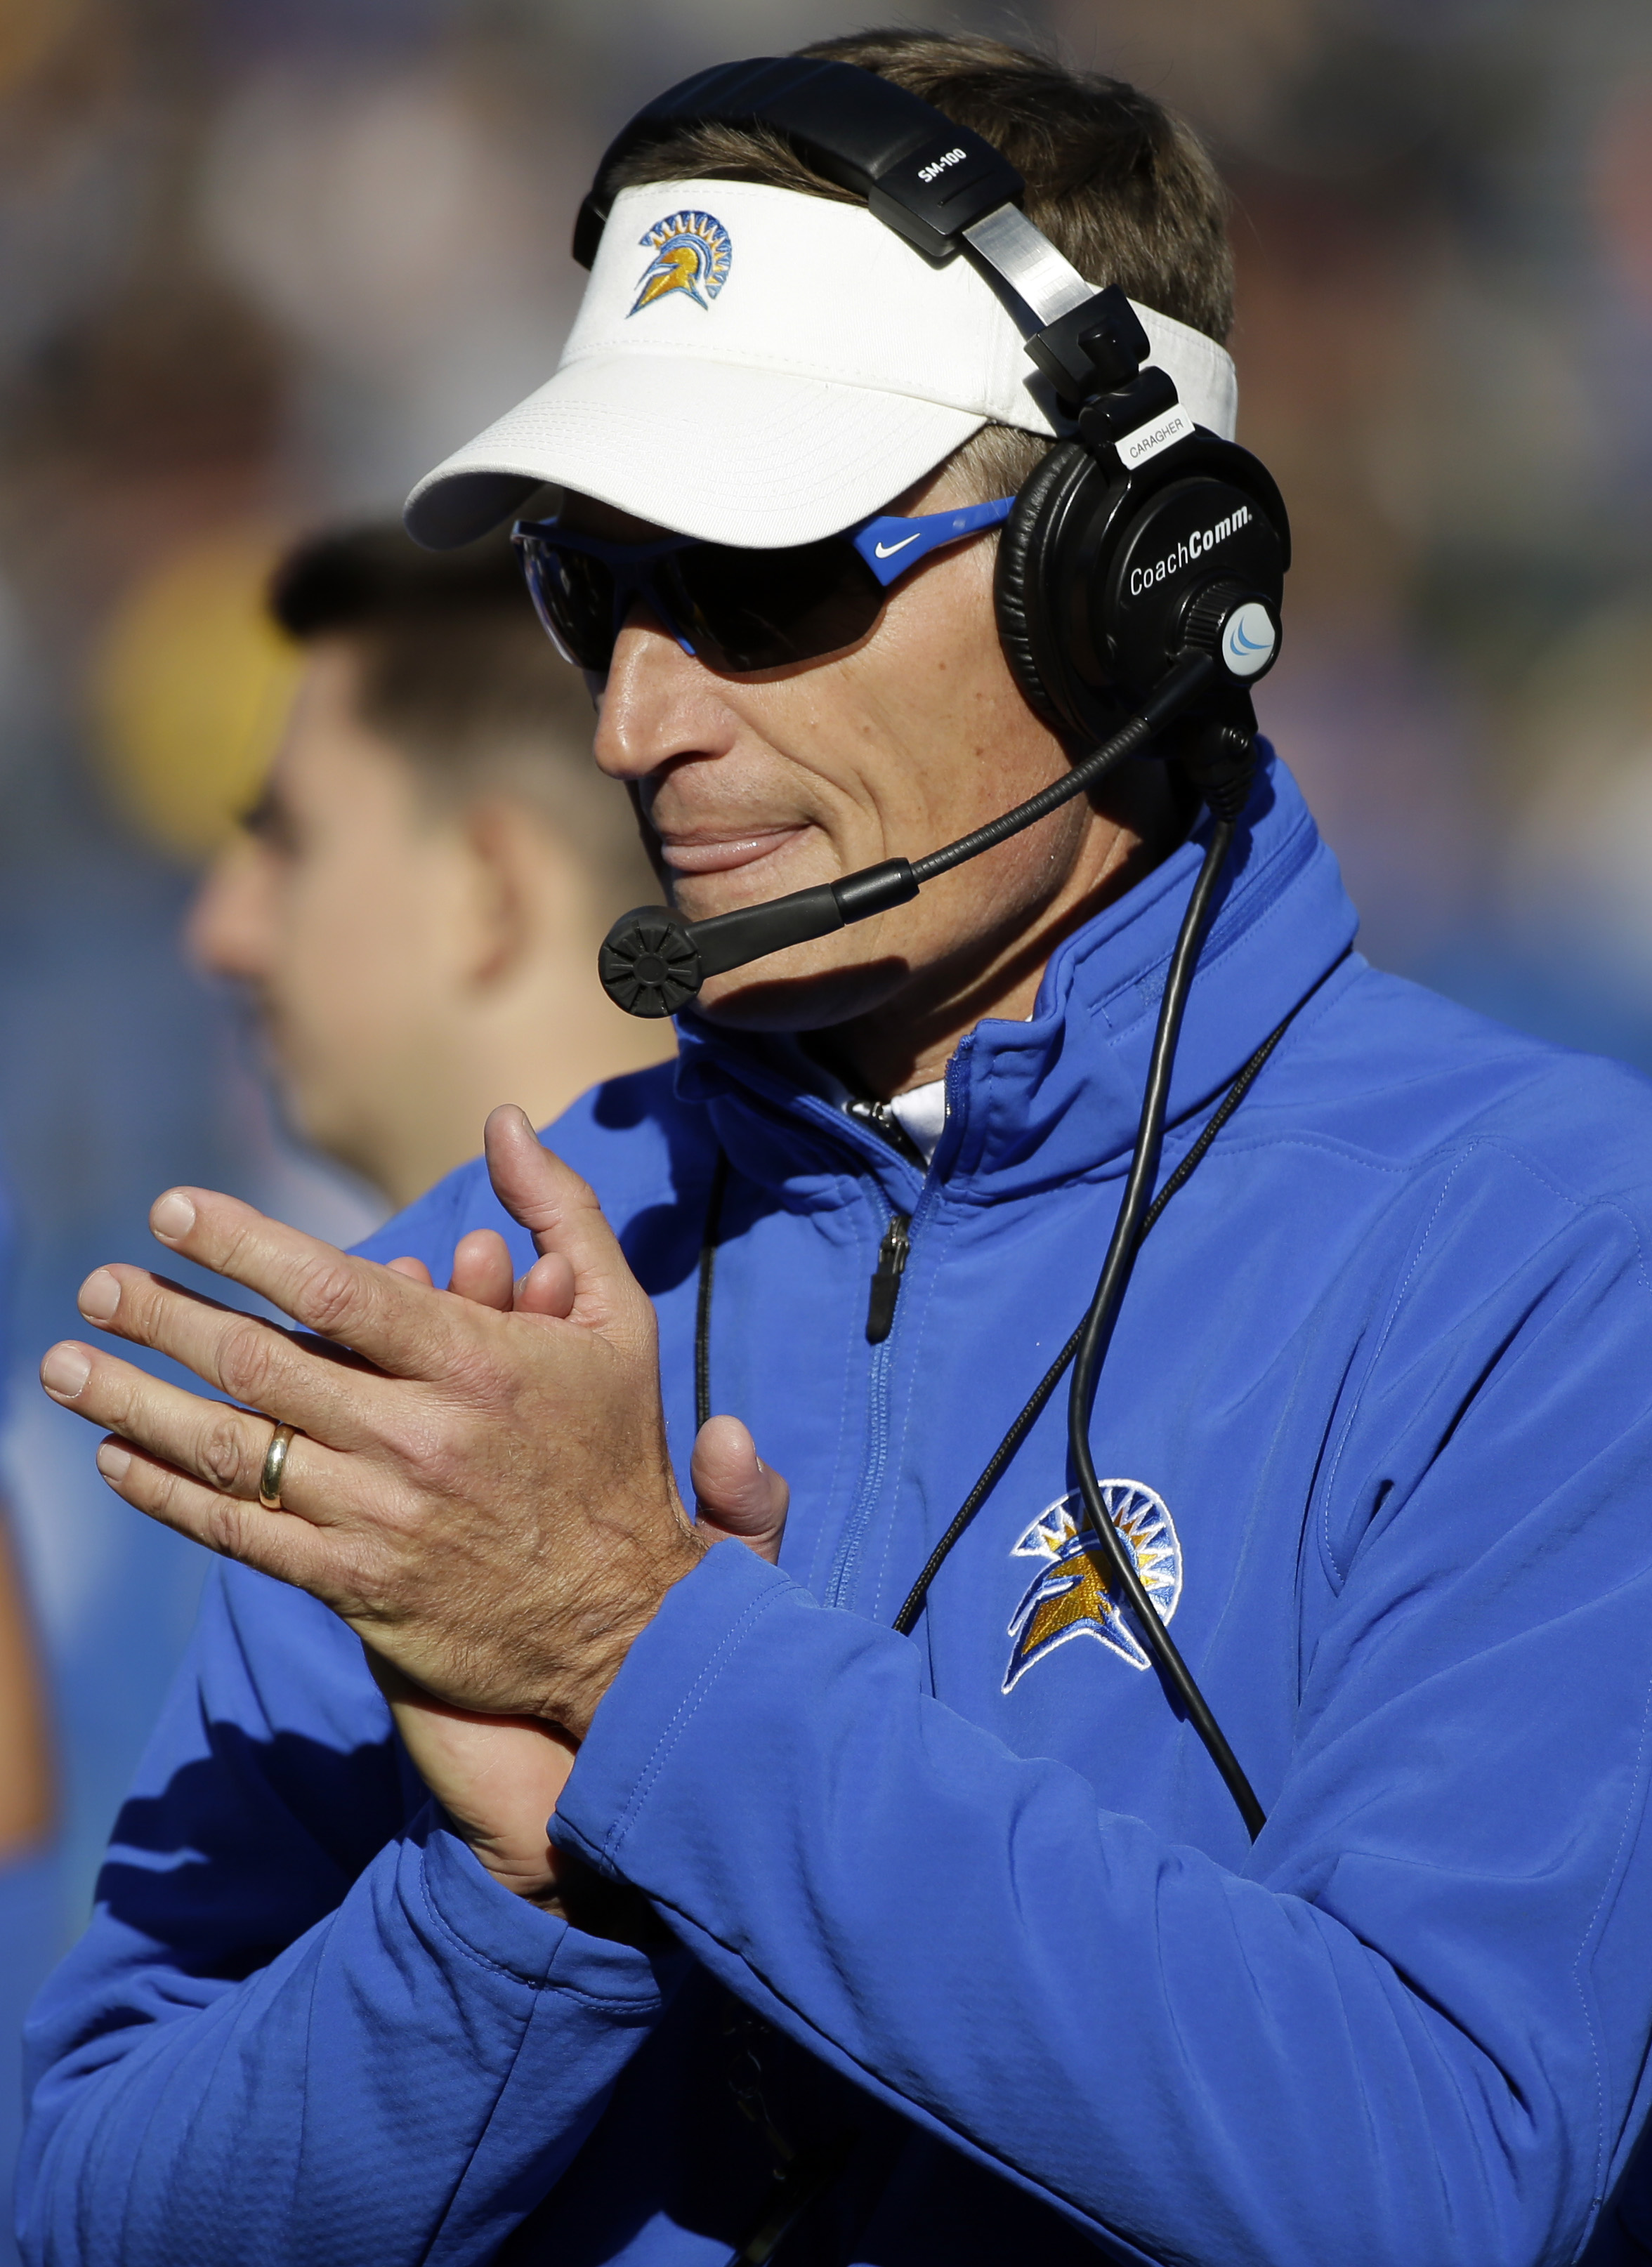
(702, 1623)
(504, 1931)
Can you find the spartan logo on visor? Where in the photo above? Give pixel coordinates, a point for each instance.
(691, 253)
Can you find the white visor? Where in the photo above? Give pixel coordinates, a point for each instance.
(756, 366)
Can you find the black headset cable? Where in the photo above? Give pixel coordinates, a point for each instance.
(1005, 1455)
(708, 1275)
(1095, 1332)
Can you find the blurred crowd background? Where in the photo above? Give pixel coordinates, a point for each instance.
(266, 261)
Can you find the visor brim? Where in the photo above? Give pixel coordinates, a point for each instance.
(724, 451)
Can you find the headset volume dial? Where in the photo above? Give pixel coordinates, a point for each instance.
(1236, 626)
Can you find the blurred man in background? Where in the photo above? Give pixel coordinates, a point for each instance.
(417, 897)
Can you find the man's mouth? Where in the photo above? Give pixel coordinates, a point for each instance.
(702, 852)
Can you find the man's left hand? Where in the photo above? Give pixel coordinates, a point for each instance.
(484, 1496)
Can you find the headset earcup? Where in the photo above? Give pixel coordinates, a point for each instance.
(1022, 584)
(1095, 571)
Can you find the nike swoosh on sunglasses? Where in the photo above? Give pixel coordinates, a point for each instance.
(739, 612)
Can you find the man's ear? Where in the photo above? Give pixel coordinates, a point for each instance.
(500, 913)
(526, 887)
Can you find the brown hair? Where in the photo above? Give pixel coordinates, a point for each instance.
(1117, 183)
(457, 675)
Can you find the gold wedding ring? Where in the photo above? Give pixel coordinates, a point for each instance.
(274, 1465)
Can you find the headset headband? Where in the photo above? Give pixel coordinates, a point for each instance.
(920, 174)
(941, 188)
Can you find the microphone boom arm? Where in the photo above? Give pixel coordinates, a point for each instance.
(652, 962)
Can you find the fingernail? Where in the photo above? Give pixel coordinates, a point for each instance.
(172, 1216)
(112, 1460)
(65, 1370)
(99, 1297)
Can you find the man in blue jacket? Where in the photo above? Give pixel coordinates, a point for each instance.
(864, 1946)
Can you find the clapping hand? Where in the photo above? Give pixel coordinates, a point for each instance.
(478, 1484)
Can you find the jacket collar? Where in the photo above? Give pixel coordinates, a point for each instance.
(1056, 1098)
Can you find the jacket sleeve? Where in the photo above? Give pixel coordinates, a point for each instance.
(300, 2020)
(1412, 2027)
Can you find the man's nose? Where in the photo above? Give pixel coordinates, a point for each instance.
(659, 702)
(226, 932)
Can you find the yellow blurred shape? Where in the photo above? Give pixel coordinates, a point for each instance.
(30, 30)
(190, 691)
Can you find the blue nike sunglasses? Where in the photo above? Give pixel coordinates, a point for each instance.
(739, 612)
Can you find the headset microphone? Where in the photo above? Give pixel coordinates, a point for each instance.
(653, 962)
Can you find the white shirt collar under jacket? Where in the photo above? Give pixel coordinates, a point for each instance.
(922, 1113)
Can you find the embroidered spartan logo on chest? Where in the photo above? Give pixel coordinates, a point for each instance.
(1072, 1596)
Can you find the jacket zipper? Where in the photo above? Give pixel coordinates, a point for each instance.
(845, 1564)
(899, 1232)
(892, 1254)
(893, 1251)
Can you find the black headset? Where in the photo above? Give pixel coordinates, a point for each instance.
(1138, 587)
(1141, 546)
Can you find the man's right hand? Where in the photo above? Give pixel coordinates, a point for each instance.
(498, 1778)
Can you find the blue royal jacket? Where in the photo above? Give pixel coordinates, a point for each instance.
(1377, 1419)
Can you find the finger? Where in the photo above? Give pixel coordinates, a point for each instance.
(402, 1326)
(734, 1491)
(209, 1441)
(290, 1549)
(252, 1360)
(481, 1269)
(415, 1270)
(548, 1288)
(562, 1216)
